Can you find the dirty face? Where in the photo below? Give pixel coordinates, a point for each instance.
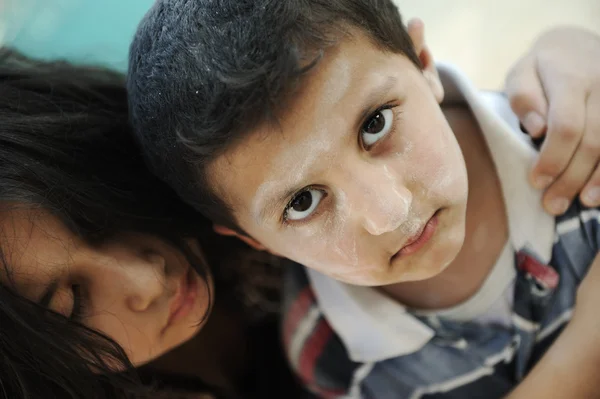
(362, 178)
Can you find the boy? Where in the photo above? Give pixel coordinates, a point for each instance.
(312, 128)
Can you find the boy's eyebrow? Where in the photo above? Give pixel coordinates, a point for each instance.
(272, 205)
(374, 97)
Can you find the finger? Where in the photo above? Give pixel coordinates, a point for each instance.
(560, 194)
(591, 193)
(525, 92)
(566, 124)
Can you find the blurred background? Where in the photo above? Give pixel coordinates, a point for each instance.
(483, 37)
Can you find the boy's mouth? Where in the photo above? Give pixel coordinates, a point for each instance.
(418, 240)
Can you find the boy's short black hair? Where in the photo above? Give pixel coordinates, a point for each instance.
(203, 73)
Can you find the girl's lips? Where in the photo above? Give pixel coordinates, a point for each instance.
(185, 298)
(418, 241)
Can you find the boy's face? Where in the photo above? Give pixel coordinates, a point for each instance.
(361, 164)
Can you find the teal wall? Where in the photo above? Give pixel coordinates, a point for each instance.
(82, 31)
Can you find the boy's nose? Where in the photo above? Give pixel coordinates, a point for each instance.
(388, 211)
(382, 201)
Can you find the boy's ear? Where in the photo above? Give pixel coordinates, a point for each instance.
(416, 31)
(226, 231)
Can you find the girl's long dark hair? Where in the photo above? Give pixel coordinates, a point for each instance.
(66, 147)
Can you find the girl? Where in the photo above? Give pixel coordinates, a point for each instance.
(103, 270)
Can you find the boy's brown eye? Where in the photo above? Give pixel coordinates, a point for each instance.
(375, 124)
(377, 127)
(303, 204)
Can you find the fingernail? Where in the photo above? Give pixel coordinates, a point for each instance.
(534, 123)
(592, 196)
(558, 206)
(542, 181)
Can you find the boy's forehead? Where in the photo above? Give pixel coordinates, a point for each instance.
(349, 82)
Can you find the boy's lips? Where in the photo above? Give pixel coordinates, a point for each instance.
(422, 237)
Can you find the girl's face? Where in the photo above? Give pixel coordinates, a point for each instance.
(137, 289)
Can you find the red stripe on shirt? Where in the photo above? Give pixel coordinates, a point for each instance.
(314, 345)
(296, 313)
(312, 349)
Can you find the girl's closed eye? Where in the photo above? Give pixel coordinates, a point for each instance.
(78, 303)
(379, 125)
(303, 204)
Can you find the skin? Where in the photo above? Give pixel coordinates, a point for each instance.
(569, 369)
(128, 284)
(372, 199)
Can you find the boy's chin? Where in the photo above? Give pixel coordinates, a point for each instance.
(436, 259)
(426, 273)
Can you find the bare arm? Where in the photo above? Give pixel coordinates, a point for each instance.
(571, 367)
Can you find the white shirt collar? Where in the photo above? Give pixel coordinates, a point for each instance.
(374, 327)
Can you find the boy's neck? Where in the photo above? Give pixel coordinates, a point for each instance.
(486, 226)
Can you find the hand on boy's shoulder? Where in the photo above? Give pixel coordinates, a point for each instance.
(555, 91)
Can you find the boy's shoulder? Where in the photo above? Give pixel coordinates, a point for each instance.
(512, 153)
(485, 104)
(577, 232)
